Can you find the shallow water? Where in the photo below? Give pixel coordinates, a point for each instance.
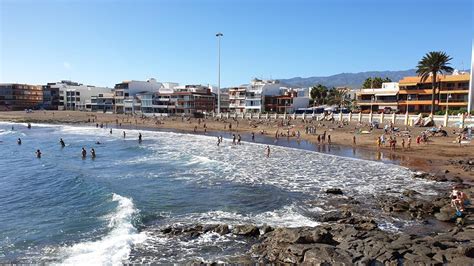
(64, 209)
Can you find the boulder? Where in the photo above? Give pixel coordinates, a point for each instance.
(246, 230)
(445, 214)
(321, 254)
(222, 229)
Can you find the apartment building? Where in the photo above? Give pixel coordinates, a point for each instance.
(15, 96)
(103, 102)
(376, 99)
(125, 93)
(453, 91)
(256, 92)
(50, 96)
(288, 101)
(76, 96)
(237, 97)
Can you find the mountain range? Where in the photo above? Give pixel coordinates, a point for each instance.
(351, 80)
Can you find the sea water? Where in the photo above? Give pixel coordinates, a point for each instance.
(61, 208)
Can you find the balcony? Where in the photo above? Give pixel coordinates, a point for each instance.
(237, 97)
(233, 105)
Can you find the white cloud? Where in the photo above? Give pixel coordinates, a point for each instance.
(67, 65)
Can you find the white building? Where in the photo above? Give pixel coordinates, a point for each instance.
(76, 96)
(470, 105)
(379, 98)
(256, 92)
(126, 92)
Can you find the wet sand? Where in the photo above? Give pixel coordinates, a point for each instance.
(435, 157)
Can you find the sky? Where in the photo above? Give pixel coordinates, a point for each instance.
(103, 42)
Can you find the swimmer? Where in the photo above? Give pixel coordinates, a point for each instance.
(98, 142)
(38, 153)
(18, 141)
(84, 153)
(92, 153)
(29, 126)
(61, 141)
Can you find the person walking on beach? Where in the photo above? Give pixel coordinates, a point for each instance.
(253, 136)
(38, 153)
(379, 142)
(319, 139)
(409, 142)
(403, 143)
(18, 141)
(124, 134)
(139, 137)
(329, 139)
(354, 140)
(92, 153)
(267, 149)
(84, 153)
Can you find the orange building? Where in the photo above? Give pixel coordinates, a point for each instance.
(417, 95)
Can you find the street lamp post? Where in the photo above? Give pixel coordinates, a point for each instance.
(219, 35)
(447, 102)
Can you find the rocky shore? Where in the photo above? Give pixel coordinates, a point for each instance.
(348, 236)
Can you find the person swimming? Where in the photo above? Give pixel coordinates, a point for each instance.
(38, 153)
(84, 153)
(98, 142)
(92, 153)
(61, 141)
(18, 141)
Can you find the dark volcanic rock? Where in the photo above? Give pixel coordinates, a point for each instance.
(246, 230)
(336, 191)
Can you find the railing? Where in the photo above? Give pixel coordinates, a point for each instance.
(397, 119)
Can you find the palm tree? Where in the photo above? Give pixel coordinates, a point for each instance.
(433, 63)
(318, 93)
(339, 97)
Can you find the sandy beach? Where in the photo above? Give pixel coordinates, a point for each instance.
(440, 155)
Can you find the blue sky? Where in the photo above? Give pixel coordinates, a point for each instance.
(103, 42)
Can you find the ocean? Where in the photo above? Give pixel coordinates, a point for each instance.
(63, 209)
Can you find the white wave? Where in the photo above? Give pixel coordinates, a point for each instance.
(113, 248)
(287, 216)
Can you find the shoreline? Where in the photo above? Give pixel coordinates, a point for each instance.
(439, 156)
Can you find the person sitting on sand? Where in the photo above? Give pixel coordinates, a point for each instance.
(84, 153)
(18, 141)
(38, 153)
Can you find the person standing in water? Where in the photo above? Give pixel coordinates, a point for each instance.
(61, 141)
(84, 153)
(29, 126)
(218, 141)
(124, 134)
(267, 149)
(139, 137)
(18, 141)
(239, 138)
(92, 153)
(110, 130)
(253, 136)
(38, 153)
(233, 139)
